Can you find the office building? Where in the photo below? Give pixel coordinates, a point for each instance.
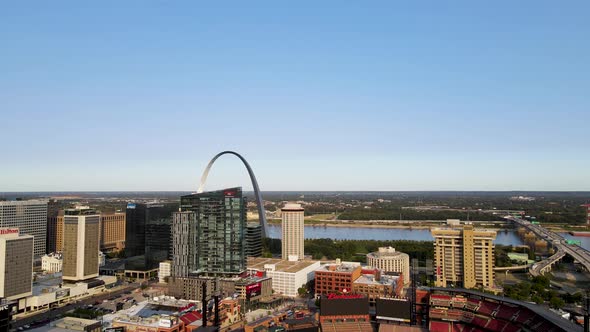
(287, 276)
(220, 218)
(52, 262)
(292, 231)
(184, 243)
(464, 257)
(51, 235)
(587, 206)
(81, 244)
(148, 235)
(16, 264)
(112, 231)
(388, 260)
(30, 217)
(253, 239)
(336, 278)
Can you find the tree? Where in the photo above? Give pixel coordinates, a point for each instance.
(302, 290)
(556, 302)
(537, 299)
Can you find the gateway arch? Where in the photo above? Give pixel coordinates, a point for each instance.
(257, 195)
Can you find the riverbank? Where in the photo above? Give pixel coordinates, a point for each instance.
(396, 224)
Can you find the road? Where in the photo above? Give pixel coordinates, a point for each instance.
(557, 241)
(48, 315)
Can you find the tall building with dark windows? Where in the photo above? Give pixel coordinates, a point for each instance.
(220, 227)
(148, 233)
(253, 239)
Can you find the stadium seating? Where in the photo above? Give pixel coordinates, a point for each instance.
(472, 304)
(511, 328)
(524, 315)
(439, 326)
(347, 327)
(486, 308)
(480, 321)
(495, 325)
(440, 300)
(506, 312)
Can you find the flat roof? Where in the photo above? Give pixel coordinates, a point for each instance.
(281, 265)
(369, 279)
(346, 268)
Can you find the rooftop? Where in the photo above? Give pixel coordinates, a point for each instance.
(280, 265)
(369, 279)
(292, 207)
(343, 267)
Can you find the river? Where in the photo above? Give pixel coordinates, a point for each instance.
(507, 237)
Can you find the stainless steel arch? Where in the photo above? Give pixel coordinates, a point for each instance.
(257, 195)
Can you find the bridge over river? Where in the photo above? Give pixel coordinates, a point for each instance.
(560, 244)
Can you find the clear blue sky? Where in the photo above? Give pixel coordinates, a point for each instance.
(330, 95)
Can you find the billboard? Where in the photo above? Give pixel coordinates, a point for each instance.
(344, 305)
(115, 329)
(253, 290)
(394, 309)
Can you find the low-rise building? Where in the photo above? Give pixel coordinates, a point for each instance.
(56, 294)
(52, 262)
(375, 284)
(73, 324)
(287, 275)
(253, 289)
(154, 323)
(336, 278)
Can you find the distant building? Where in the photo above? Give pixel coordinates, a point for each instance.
(112, 231)
(253, 247)
(464, 257)
(81, 244)
(292, 231)
(148, 234)
(338, 277)
(30, 217)
(102, 259)
(587, 206)
(16, 264)
(164, 271)
(219, 249)
(287, 276)
(51, 236)
(55, 233)
(388, 260)
(52, 262)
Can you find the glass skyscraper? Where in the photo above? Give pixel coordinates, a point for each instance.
(220, 231)
(148, 233)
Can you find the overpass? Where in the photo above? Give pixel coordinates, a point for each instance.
(578, 253)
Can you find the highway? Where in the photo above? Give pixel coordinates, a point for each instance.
(580, 254)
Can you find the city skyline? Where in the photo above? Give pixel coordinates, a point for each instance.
(389, 97)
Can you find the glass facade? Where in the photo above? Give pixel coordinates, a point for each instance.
(221, 226)
(148, 234)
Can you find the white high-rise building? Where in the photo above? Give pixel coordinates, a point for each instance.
(292, 231)
(16, 264)
(30, 217)
(81, 244)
